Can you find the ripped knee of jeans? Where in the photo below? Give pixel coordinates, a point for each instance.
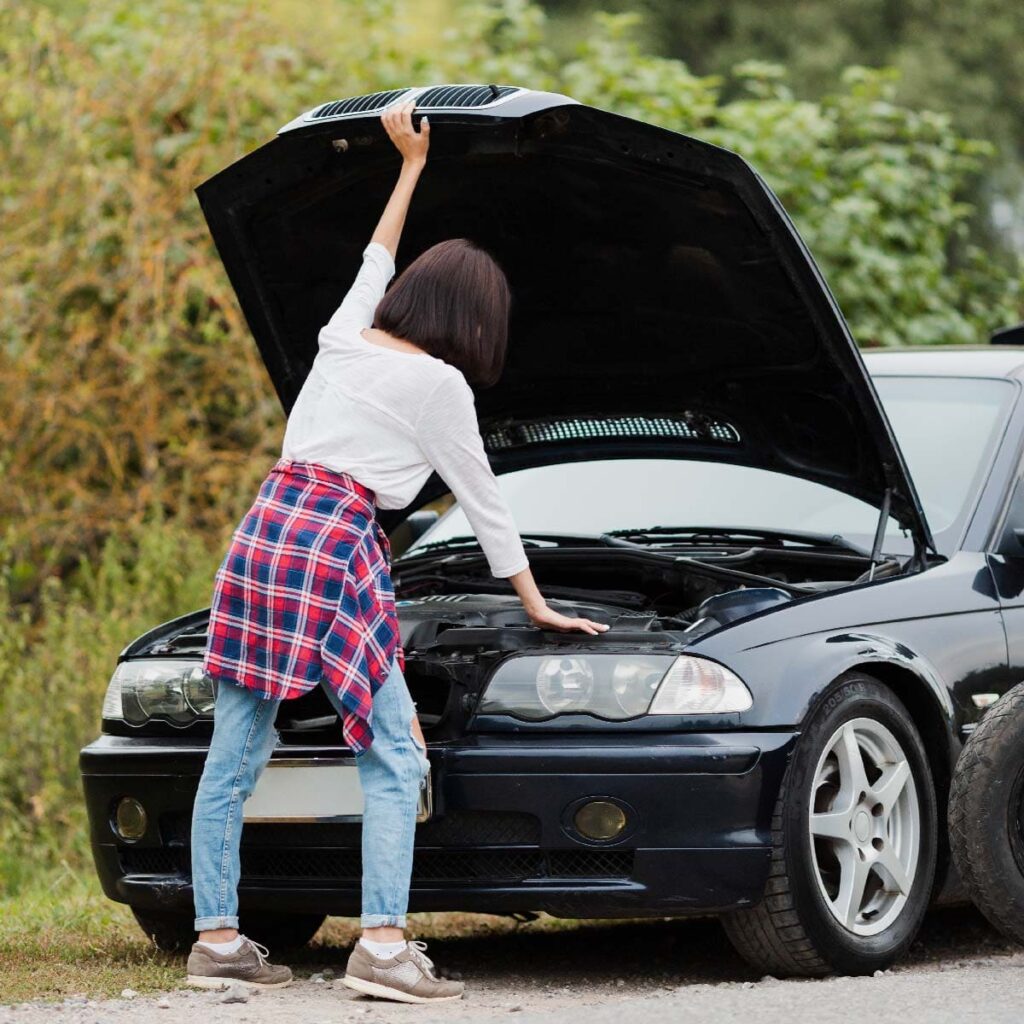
(418, 743)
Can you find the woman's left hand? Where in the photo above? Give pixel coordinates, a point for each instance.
(412, 144)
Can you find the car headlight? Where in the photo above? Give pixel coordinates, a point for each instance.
(696, 686)
(612, 686)
(565, 684)
(174, 691)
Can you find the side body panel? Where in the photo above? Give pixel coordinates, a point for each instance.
(943, 626)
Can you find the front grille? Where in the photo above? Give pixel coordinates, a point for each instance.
(427, 865)
(674, 428)
(480, 866)
(366, 104)
(590, 863)
(504, 848)
(462, 95)
(456, 828)
(480, 828)
(151, 862)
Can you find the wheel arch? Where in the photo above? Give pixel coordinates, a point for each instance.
(929, 715)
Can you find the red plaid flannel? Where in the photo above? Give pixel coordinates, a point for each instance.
(304, 592)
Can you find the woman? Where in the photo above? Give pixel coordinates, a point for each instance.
(304, 595)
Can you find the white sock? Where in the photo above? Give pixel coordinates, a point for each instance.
(223, 947)
(385, 950)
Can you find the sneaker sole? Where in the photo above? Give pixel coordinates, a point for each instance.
(202, 981)
(371, 988)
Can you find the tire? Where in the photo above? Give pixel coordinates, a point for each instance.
(796, 929)
(174, 932)
(986, 814)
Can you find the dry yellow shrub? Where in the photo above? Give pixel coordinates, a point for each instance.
(128, 379)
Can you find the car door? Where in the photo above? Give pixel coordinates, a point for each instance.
(1006, 561)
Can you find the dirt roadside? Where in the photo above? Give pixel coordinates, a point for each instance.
(959, 970)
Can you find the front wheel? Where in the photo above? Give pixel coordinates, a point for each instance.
(174, 932)
(853, 842)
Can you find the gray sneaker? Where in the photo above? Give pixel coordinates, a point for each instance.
(247, 966)
(408, 977)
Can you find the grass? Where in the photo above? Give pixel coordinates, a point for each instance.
(62, 937)
(60, 659)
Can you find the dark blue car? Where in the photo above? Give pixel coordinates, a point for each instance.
(809, 566)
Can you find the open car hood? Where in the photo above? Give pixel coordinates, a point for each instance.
(663, 303)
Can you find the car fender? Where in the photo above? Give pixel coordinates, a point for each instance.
(789, 678)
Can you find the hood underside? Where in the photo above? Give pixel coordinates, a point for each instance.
(663, 304)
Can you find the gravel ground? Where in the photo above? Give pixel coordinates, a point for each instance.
(959, 970)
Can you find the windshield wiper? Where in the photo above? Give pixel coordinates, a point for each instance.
(442, 545)
(469, 543)
(711, 570)
(464, 553)
(731, 534)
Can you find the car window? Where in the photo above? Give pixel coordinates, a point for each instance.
(947, 429)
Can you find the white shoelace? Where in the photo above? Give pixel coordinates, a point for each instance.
(417, 947)
(261, 951)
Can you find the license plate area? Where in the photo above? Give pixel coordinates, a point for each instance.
(316, 789)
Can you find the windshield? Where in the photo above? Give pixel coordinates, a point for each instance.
(947, 428)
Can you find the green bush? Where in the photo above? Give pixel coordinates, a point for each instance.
(56, 665)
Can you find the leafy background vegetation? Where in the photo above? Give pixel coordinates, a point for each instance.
(137, 418)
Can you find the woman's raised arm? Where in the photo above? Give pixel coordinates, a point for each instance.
(413, 145)
(357, 307)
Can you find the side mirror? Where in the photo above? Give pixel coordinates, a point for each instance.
(1011, 537)
(409, 530)
(1011, 544)
(420, 522)
(1008, 335)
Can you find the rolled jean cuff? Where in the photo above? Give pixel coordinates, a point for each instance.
(210, 924)
(382, 921)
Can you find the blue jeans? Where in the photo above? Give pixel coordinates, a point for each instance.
(390, 773)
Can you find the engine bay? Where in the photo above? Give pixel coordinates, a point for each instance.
(458, 622)
(627, 587)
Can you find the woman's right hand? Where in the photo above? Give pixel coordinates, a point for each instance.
(548, 618)
(412, 144)
(541, 615)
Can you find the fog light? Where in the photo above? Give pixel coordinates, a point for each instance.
(130, 819)
(600, 819)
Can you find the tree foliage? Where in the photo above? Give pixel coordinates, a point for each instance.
(957, 55)
(130, 384)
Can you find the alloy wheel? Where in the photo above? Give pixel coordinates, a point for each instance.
(865, 826)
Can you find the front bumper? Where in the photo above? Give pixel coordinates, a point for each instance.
(501, 840)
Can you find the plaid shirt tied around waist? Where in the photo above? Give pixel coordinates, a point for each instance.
(304, 592)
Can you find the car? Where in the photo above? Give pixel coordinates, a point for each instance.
(809, 561)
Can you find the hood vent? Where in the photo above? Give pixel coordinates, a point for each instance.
(445, 96)
(367, 104)
(681, 428)
(436, 97)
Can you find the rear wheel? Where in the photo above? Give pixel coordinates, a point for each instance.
(986, 814)
(174, 932)
(854, 842)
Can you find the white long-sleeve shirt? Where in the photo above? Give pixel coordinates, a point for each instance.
(388, 418)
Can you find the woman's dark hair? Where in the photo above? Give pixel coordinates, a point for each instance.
(453, 302)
